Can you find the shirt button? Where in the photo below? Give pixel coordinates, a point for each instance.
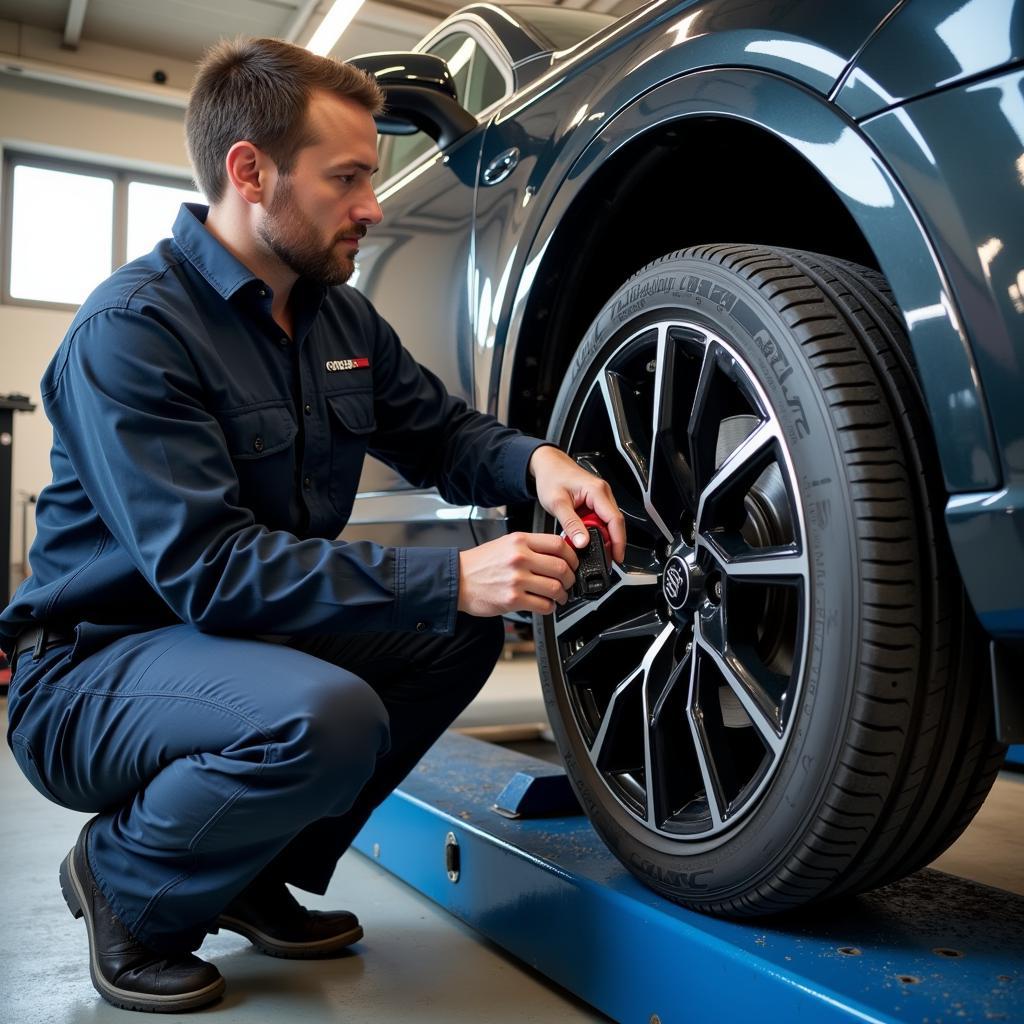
(263, 293)
(421, 626)
(283, 342)
(308, 409)
(307, 482)
(257, 445)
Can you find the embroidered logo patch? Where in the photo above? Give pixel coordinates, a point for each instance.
(334, 365)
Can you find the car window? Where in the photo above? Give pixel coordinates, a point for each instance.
(486, 83)
(478, 83)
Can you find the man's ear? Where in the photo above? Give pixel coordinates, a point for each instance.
(248, 169)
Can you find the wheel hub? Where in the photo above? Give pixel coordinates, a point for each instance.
(682, 582)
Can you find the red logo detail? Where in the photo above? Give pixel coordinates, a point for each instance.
(334, 365)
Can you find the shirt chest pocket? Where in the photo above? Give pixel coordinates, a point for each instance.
(261, 443)
(352, 421)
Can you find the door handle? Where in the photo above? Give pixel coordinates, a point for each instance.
(501, 166)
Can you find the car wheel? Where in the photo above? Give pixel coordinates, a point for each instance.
(780, 696)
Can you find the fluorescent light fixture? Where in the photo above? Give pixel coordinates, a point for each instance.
(337, 19)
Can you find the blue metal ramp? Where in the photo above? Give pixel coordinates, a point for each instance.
(931, 948)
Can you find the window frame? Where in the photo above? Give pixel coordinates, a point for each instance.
(121, 177)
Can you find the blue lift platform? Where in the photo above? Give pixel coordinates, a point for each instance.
(932, 948)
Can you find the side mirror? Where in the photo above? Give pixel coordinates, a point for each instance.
(419, 95)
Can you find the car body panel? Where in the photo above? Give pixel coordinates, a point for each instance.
(425, 238)
(556, 117)
(843, 156)
(980, 241)
(987, 533)
(950, 40)
(458, 258)
(977, 239)
(422, 515)
(807, 41)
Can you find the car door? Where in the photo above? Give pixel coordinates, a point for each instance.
(415, 267)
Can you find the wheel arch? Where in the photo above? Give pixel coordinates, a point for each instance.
(723, 156)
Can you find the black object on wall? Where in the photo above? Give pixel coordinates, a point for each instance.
(9, 405)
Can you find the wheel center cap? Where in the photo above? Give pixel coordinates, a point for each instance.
(681, 582)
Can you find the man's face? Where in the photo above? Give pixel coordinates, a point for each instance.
(319, 212)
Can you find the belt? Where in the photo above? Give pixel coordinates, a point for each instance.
(38, 640)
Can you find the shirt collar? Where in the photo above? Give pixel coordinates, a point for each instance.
(223, 271)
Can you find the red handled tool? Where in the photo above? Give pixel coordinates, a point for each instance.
(594, 572)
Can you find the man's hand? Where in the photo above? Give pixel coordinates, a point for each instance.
(523, 572)
(563, 487)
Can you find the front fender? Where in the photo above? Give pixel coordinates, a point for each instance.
(835, 147)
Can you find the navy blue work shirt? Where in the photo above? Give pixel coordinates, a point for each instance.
(204, 464)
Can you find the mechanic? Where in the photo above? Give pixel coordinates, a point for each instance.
(196, 658)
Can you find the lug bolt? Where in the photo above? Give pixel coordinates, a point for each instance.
(652, 366)
(718, 589)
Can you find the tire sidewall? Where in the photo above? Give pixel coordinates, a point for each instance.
(694, 290)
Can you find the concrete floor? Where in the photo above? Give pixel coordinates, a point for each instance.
(415, 964)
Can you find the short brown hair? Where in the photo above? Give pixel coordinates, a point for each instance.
(259, 90)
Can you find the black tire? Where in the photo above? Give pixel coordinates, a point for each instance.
(781, 699)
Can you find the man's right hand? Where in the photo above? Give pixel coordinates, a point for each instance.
(523, 572)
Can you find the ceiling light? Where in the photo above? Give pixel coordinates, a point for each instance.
(337, 19)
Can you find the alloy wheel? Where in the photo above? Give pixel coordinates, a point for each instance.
(684, 676)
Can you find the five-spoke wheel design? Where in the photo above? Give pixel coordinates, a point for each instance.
(683, 677)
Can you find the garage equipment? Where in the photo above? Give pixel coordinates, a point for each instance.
(9, 405)
(931, 947)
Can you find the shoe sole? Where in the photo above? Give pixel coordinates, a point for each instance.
(288, 950)
(75, 897)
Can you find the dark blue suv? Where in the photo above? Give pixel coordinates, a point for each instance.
(761, 266)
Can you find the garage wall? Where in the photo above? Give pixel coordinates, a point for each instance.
(74, 122)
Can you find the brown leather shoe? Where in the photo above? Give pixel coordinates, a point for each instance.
(270, 917)
(124, 971)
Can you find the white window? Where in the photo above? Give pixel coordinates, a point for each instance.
(152, 210)
(69, 225)
(61, 240)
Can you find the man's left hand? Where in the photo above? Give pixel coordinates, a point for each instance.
(563, 487)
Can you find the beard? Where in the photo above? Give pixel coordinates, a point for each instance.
(292, 237)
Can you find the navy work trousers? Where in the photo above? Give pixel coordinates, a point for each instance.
(213, 760)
